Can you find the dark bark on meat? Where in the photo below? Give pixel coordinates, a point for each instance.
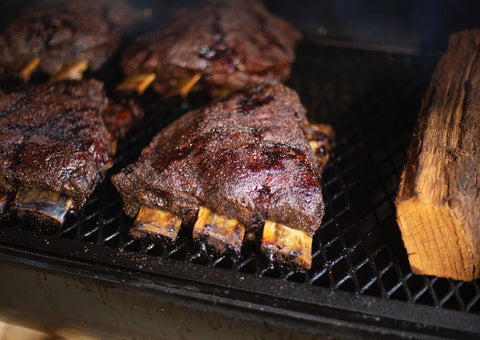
(120, 116)
(72, 31)
(53, 138)
(232, 44)
(247, 157)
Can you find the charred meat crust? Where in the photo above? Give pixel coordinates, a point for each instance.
(68, 32)
(120, 116)
(232, 44)
(246, 157)
(54, 139)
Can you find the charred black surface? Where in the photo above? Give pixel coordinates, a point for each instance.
(54, 139)
(62, 32)
(232, 44)
(249, 162)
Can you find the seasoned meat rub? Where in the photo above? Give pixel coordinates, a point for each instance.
(224, 45)
(66, 33)
(54, 139)
(246, 158)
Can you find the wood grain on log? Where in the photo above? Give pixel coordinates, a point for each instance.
(438, 203)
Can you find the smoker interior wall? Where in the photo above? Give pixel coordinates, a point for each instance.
(418, 26)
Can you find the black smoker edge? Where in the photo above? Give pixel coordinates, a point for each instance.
(54, 293)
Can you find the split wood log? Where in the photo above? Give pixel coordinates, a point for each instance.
(438, 203)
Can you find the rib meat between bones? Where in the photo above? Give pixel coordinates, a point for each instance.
(247, 158)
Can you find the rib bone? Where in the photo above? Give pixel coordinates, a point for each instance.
(72, 71)
(154, 222)
(184, 86)
(29, 68)
(220, 232)
(138, 82)
(222, 92)
(3, 202)
(45, 206)
(320, 138)
(284, 242)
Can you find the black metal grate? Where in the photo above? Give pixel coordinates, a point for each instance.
(372, 100)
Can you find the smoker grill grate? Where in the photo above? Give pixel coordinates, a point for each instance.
(371, 99)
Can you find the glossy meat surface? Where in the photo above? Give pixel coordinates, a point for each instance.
(53, 138)
(231, 44)
(121, 115)
(246, 157)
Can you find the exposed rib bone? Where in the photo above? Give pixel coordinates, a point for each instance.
(222, 92)
(219, 231)
(287, 243)
(45, 206)
(29, 68)
(138, 82)
(184, 86)
(154, 222)
(3, 202)
(320, 138)
(72, 71)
